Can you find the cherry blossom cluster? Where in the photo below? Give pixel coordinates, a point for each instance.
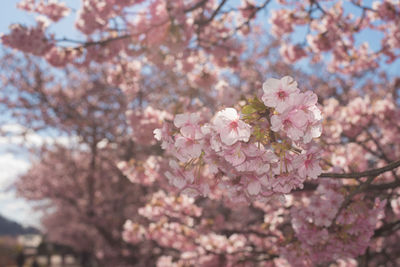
(179, 207)
(292, 53)
(60, 57)
(369, 122)
(172, 235)
(126, 76)
(134, 232)
(150, 26)
(94, 15)
(265, 150)
(174, 224)
(330, 29)
(52, 9)
(177, 234)
(200, 60)
(144, 122)
(144, 172)
(213, 250)
(29, 39)
(325, 231)
(360, 113)
(222, 244)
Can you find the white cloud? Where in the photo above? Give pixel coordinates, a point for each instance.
(10, 167)
(10, 206)
(16, 134)
(13, 128)
(20, 211)
(14, 161)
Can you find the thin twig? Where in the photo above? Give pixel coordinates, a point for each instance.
(356, 191)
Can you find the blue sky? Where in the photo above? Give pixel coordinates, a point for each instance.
(9, 14)
(14, 160)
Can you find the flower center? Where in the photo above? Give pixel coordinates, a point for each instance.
(233, 125)
(282, 94)
(308, 161)
(287, 123)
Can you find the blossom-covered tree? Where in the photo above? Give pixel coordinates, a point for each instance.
(205, 136)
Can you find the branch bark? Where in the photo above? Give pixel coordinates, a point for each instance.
(373, 172)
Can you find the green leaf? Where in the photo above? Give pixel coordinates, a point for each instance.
(257, 104)
(248, 109)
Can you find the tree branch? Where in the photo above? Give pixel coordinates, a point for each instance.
(373, 172)
(214, 14)
(387, 229)
(348, 198)
(196, 6)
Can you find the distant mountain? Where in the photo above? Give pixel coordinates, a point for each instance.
(11, 228)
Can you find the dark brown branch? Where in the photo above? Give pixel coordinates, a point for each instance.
(373, 172)
(196, 6)
(348, 198)
(387, 229)
(214, 14)
(362, 7)
(229, 232)
(380, 187)
(319, 7)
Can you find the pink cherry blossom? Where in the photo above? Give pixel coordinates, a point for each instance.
(230, 128)
(189, 125)
(310, 167)
(235, 175)
(187, 148)
(292, 53)
(294, 122)
(279, 94)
